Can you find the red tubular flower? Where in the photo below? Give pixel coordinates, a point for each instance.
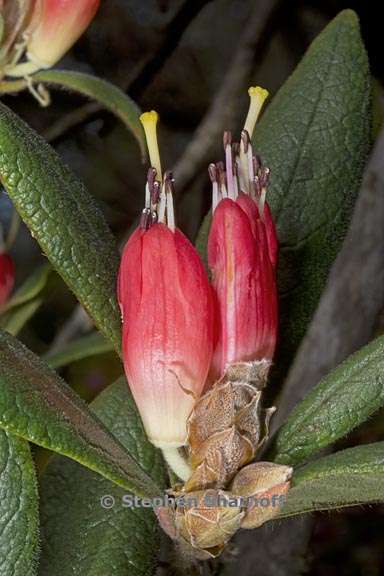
(166, 304)
(7, 277)
(242, 256)
(55, 26)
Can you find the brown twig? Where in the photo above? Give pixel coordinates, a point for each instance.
(142, 76)
(222, 110)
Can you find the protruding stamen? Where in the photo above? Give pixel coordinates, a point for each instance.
(222, 179)
(264, 180)
(227, 140)
(243, 161)
(155, 194)
(262, 197)
(149, 121)
(147, 196)
(265, 177)
(245, 140)
(169, 189)
(162, 205)
(212, 171)
(235, 180)
(236, 149)
(251, 173)
(257, 96)
(151, 176)
(146, 219)
(256, 189)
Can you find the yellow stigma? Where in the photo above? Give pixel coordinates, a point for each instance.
(258, 96)
(149, 121)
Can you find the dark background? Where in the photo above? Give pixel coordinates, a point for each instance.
(175, 56)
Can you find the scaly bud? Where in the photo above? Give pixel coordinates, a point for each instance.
(242, 252)
(266, 485)
(7, 277)
(167, 310)
(55, 26)
(202, 521)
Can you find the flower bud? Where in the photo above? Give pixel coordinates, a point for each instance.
(242, 253)
(7, 277)
(265, 484)
(55, 26)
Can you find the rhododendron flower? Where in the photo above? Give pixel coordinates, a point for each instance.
(45, 30)
(166, 305)
(242, 252)
(55, 26)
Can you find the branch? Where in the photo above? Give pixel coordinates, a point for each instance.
(223, 109)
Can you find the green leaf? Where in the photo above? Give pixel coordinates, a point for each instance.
(107, 94)
(84, 347)
(63, 218)
(40, 407)
(14, 320)
(340, 402)
(347, 478)
(26, 301)
(19, 516)
(31, 288)
(315, 137)
(79, 536)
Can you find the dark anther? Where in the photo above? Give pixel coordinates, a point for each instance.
(169, 181)
(146, 219)
(264, 177)
(212, 172)
(151, 175)
(236, 148)
(227, 139)
(155, 193)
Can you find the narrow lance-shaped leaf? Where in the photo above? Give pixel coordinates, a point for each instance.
(14, 320)
(63, 218)
(90, 345)
(40, 407)
(343, 400)
(21, 307)
(80, 537)
(347, 478)
(19, 516)
(31, 288)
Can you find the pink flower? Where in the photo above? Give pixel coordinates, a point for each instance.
(242, 256)
(55, 26)
(167, 310)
